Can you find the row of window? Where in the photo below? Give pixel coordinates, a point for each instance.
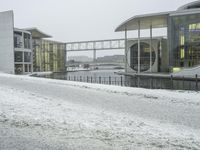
(19, 56)
(185, 40)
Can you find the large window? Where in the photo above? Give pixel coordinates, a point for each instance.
(27, 41)
(18, 39)
(27, 57)
(144, 57)
(18, 57)
(185, 40)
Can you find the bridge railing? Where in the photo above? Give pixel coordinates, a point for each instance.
(111, 44)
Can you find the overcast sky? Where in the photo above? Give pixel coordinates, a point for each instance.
(77, 20)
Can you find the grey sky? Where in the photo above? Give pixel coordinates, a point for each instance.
(76, 20)
(72, 20)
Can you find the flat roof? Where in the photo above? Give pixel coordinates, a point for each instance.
(37, 34)
(157, 20)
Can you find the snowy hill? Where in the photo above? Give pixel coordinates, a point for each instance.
(50, 114)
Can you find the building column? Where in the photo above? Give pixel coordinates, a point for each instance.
(94, 55)
(126, 50)
(23, 67)
(138, 47)
(151, 48)
(32, 53)
(23, 62)
(66, 57)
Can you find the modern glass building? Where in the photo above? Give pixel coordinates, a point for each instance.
(23, 51)
(47, 55)
(26, 50)
(179, 50)
(15, 46)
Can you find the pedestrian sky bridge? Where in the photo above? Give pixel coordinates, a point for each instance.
(111, 44)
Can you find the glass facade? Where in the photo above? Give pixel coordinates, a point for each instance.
(23, 52)
(185, 40)
(27, 57)
(27, 41)
(48, 55)
(18, 39)
(18, 56)
(144, 57)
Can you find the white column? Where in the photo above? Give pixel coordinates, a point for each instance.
(151, 48)
(138, 47)
(23, 47)
(31, 45)
(126, 51)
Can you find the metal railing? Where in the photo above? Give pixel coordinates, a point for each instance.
(149, 82)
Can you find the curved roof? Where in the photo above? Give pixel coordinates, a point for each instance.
(157, 20)
(192, 5)
(37, 34)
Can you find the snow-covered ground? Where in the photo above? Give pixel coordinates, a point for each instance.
(38, 113)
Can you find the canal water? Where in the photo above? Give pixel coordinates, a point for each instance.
(111, 77)
(108, 76)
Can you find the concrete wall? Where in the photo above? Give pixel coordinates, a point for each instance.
(6, 42)
(155, 48)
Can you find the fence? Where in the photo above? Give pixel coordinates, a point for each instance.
(166, 82)
(120, 81)
(150, 82)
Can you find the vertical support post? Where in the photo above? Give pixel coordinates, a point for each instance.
(23, 46)
(94, 52)
(183, 83)
(121, 81)
(151, 48)
(196, 82)
(126, 51)
(150, 83)
(94, 55)
(23, 62)
(172, 86)
(138, 47)
(99, 80)
(66, 59)
(31, 45)
(109, 80)
(80, 78)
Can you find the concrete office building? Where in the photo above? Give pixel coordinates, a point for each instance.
(15, 46)
(179, 50)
